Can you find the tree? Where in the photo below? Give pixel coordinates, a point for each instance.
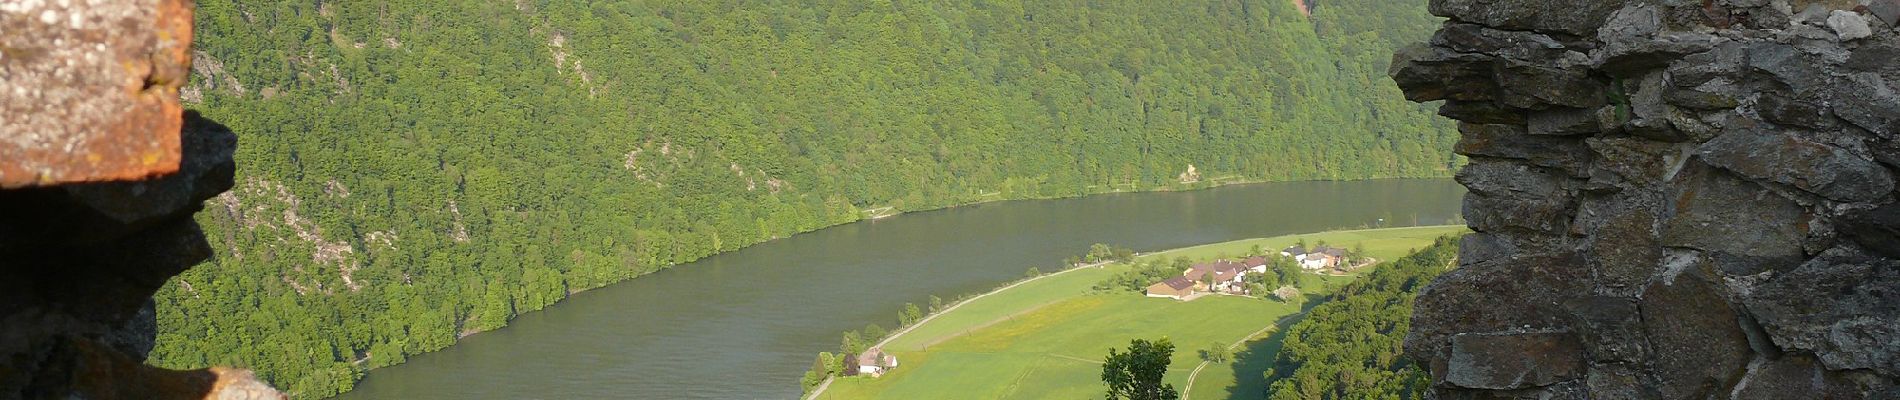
(820, 368)
(851, 344)
(1181, 264)
(1215, 352)
(872, 334)
(936, 303)
(1032, 272)
(910, 315)
(1100, 252)
(1137, 373)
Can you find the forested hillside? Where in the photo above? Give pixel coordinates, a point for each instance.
(1351, 346)
(411, 171)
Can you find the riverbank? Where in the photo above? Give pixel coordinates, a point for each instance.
(758, 315)
(875, 214)
(1043, 338)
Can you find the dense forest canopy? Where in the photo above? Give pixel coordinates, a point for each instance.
(412, 171)
(1351, 347)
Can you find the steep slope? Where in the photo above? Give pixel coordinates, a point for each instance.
(1673, 200)
(1349, 347)
(420, 170)
(101, 170)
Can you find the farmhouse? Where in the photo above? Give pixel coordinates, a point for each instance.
(1294, 251)
(1319, 258)
(874, 362)
(1173, 288)
(1255, 264)
(1226, 275)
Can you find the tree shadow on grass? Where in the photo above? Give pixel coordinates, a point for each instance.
(1256, 357)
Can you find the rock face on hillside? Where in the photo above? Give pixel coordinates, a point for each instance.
(100, 173)
(1672, 199)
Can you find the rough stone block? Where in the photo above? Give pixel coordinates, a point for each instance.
(1887, 10)
(1622, 244)
(1507, 196)
(1818, 168)
(1610, 328)
(1516, 45)
(1724, 61)
(1796, 112)
(1522, 293)
(1481, 112)
(1842, 306)
(1575, 18)
(1510, 141)
(91, 90)
(1696, 341)
(1634, 43)
(1528, 86)
(1429, 74)
(1513, 361)
(1787, 65)
(1745, 228)
(1876, 229)
(1795, 377)
(1867, 100)
(1567, 121)
(1850, 25)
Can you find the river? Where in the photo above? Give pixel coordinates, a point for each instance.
(747, 324)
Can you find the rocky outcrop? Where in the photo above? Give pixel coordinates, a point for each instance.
(101, 172)
(103, 79)
(1671, 199)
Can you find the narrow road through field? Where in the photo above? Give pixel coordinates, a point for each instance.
(893, 336)
(1188, 390)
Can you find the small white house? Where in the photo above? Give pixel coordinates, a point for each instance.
(875, 362)
(1314, 263)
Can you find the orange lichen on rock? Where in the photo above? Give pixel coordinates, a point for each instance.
(89, 92)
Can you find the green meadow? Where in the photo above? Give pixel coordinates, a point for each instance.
(1046, 338)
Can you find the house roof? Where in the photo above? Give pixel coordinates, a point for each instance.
(1295, 250)
(1176, 283)
(870, 357)
(1218, 267)
(1254, 261)
(1331, 251)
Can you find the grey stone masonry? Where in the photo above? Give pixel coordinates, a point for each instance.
(1672, 199)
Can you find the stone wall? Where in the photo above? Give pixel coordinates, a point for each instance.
(1672, 199)
(100, 173)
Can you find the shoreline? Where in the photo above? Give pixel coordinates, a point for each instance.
(901, 333)
(893, 213)
(986, 198)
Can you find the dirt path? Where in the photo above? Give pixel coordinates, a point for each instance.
(986, 324)
(900, 333)
(1188, 390)
(1069, 357)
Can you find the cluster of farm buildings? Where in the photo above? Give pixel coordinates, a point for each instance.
(1230, 276)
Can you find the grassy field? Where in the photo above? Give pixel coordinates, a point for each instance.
(1045, 339)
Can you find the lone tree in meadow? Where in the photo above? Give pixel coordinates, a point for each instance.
(1215, 352)
(1136, 374)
